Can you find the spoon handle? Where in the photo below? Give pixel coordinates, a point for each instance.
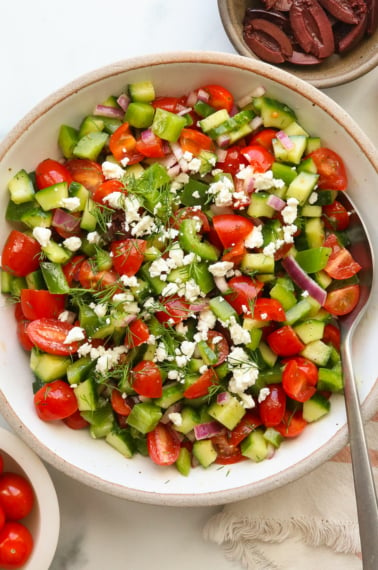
(366, 497)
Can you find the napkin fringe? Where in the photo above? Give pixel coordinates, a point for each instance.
(238, 536)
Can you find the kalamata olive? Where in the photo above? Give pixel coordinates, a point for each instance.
(268, 41)
(312, 28)
(372, 16)
(352, 35)
(342, 10)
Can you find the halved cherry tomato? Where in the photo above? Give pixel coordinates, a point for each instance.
(331, 335)
(233, 160)
(137, 334)
(292, 425)
(86, 172)
(106, 188)
(147, 379)
(243, 291)
(250, 421)
(232, 229)
(16, 545)
(150, 145)
(194, 141)
(39, 303)
(340, 264)
(331, 169)
(227, 453)
(119, 404)
(16, 495)
(18, 314)
(49, 335)
(201, 386)
(20, 254)
(285, 341)
(49, 172)
(2, 516)
(272, 409)
(76, 421)
(299, 378)
(22, 335)
(265, 309)
(342, 301)
(335, 216)
(258, 157)
(91, 279)
(128, 255)
(194, 213)
(235, 254)
(264, 138)
(219, 97)
(217, 342)
(71, 269)
(163, 445)
(55, 401)
(176, 309)
(122, 142)
(171, 104)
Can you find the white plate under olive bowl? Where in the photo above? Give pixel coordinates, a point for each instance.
(334, 70)
(94, 462)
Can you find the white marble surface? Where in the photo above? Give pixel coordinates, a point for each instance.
(43, 45)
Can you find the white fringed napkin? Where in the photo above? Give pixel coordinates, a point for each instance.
(310, 523)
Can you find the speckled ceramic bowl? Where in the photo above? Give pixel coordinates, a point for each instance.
(93, 461)
(44, 520)
(335, 70)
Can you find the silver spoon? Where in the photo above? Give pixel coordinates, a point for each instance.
(366, 497)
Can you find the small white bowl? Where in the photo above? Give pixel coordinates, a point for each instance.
(96, 463)
(44, 520)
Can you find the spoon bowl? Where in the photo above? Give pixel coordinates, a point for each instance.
(366, 497)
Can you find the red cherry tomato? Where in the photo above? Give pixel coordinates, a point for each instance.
(331, 335)
(258, 157)
(128, 255)
(292, 425)
(137, 334)
(331, 169)
(233, 160)
(232, 229)
(119, 404)
(250, 421)
(37, 304)
(91, 279)
(176, 309)
(55, 401)
(150, 145)
(264, 138)
(243, 292)
(336, 216)
(122, 142)
(16, 545)
(219, 97)
(71, 269)
(265, 309)
(272, 409)
(76, 421)
(106, 188)
(202, 385)
(49, 172)
(299, 378)
(20, 254)
(193, 213)
(16, 496)
(217, 342)
(22, 335)
(194, 141)
(340, 264)
(2, 517)
(49, 335)
(285, 341)
(163, 445)
(147, 379)
(342, 301)
(86, 172)
(235, 254)
(227, 453)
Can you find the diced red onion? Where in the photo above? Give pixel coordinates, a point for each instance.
(259, 91)
(199, 306)
(184, 111)
(207, 429)
(65, 221)
(234, 110)
(107, 111)
(176, 149)
(276, 202)
(128, 319)
(249, 185)
(123, 101)
(303, 280)
(147, 136)
(168, 160)
(285, 140)
(184, 165)
(203, 95)
(256, 122)
(246, 99)
(221, 154)
(223, 141)
(192, 98)
(174, 170)
(221, 284)
(223, 398)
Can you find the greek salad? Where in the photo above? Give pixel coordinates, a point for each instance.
(178, 274)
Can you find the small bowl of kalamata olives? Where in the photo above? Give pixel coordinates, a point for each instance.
(324, 42)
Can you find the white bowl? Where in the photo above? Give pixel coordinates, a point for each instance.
(96, 463)
(44, 519)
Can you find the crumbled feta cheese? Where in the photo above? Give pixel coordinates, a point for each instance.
(188, 348)
(247, 400)
(222, 190)
(72, 243)
(181, 329)
(192, 290)
(109, 358)
(288, 233)
(93, 238)
(42, 235)
(100, 309)
(290, 211)
(265, 181)
(71, 203)
(112, 170)
(220, 268)
(74, 335)
(115, 200)
(170, 289)
(238, 334)
(146, 225)
(244, 371)
(176, 418)
(161, 353)
(255, 238)
(263, 394)
(313, 198)
(129, 281)
(131, 206)
(66, 317)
